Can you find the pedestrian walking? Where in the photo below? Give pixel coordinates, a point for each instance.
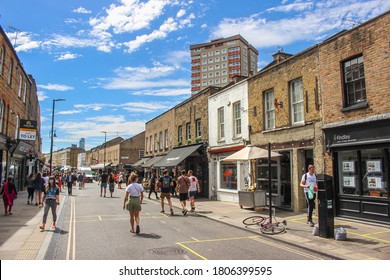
(59, 181)
(165, 183)
(80, 179)
(51, 198)
(69, 182)
(103, 179)
(111, 183)
(194, 188)
(309, 184)
(120, 180)
(173, 185)
(39, 184)
(152, 185)
(132, 202)
(9, 195)
(30, 188)
(183, 185)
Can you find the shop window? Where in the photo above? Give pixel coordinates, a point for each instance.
(354, 81)
(373, 170)
(363, 172)
(228, 176)
(348, 173)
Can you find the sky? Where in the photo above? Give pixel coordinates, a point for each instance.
(120, 63)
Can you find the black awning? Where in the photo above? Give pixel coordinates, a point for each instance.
(177, 155)
(151, 162)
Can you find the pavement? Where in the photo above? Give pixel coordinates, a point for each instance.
(21, 239)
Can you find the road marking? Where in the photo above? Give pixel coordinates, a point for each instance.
(100, 218)
(285, 248)
(71, 248)
(176, 229)
(195, 239)
(192, 251)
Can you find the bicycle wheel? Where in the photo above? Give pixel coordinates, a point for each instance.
(272, 228)
(254, 220)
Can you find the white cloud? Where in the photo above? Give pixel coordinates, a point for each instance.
(323, 18)
(69, 112)
(42, 95)
(299, 6)
(67, 56)
(82, 10)
(165, 92)
(56, 87)
(181, 13)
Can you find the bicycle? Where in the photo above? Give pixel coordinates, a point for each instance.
(265, 226)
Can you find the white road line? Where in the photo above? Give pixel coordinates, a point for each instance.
(193, 238)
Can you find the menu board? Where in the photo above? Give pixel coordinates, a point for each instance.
(348, 181)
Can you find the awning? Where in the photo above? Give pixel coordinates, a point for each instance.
(177, 155)
(141, 162)
(21, 149)
(152, 161)
(100, 165)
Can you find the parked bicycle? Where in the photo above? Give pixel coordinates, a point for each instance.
(265, 226)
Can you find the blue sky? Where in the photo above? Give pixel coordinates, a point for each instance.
(120, 63)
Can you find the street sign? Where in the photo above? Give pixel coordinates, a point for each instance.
(27, 130)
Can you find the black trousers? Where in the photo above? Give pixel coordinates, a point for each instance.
(152, 189)
(30, 193)
(70, 185)
(311, 204)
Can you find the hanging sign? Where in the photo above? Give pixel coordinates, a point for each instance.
(27, 130)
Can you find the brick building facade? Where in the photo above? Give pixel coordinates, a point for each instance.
(355, 85)
(284, 110)
(18, 101)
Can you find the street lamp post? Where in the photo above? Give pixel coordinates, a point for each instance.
(104, 155)
(52, 133)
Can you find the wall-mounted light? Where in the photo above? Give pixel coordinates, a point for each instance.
(229, 103)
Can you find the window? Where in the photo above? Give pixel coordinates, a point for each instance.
(25, 92)
(221, 123)
(198, 128)
(363, 172)
(237, 118)
(2, 58)
(1, 115)
(269, 109)
(166, 138)
(20, 86)
(180, 134)
(188, 131)
(10, 68)
(17, 127)
(151, 143)
(146, 144)
(296, 95)
(354, 82)
(160, 140)
(155, 142)
(228, 175)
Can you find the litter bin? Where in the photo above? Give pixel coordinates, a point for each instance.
(325, 206)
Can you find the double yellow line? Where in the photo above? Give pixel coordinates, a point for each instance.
(71, 248)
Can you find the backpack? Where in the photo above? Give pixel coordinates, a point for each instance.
(306, 177)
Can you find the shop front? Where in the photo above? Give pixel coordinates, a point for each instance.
(361, 168)
(190, 157)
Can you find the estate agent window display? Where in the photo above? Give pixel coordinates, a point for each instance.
(364, 172)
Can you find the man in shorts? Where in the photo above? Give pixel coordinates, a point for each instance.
(183, 185)
(194, 188)
(165, 183)
(103, 182)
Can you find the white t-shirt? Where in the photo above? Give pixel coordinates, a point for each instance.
(310, 180)
(134, 189)
(194, 184)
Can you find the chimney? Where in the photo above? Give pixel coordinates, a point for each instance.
(280, 56)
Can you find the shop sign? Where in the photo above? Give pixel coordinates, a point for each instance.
(28, 130)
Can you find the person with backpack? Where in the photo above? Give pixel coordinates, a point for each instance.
(152, 185)
(309, 183)
(165, 184)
